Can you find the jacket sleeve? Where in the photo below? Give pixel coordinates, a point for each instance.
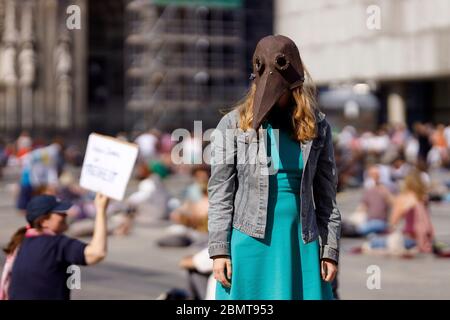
(221, 188)
(324, 187)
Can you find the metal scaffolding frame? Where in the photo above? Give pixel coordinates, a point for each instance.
(183, 60)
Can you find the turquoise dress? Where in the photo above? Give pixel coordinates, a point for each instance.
(280, 266)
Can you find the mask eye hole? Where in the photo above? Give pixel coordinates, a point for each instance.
(259, 65)
(281, 62)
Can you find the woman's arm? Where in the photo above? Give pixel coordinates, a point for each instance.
(221, 188)
(221, 192)
(95, 251)
(328, 214)
(400, 207)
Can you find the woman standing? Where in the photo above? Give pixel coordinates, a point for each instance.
(273, 221)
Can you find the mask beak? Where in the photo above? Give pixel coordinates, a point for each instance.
(269, 89)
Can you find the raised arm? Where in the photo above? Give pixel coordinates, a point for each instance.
(96, 250)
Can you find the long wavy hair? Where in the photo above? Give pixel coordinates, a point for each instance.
(303, 120)
(414, 183)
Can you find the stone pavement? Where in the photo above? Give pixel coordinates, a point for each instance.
(136, 268)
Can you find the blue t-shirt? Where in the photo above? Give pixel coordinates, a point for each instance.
(40, 270)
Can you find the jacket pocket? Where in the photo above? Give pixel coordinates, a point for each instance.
(242, 149)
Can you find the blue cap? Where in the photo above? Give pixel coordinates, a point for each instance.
(41, 205)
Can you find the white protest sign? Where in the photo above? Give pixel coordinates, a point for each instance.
(107, 165)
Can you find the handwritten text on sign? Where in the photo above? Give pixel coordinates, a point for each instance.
(107, 165)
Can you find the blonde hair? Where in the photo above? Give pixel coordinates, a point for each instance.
(414, 183)
(303, 120)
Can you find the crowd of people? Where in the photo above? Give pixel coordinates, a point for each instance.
(391, 165)
(394, 146)
(47, 172)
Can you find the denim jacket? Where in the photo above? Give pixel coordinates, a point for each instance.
(239, 182)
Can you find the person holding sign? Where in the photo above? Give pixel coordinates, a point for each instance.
(40, 258)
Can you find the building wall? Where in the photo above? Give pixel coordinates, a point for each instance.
(405, 58)
(337, 45)
(41, 68)
(105, 67)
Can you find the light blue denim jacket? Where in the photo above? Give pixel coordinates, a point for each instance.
(239, 182)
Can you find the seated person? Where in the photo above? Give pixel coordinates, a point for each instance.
(372, 213)
(410, 208)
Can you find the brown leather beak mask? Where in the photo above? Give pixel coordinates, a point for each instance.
(277, 67)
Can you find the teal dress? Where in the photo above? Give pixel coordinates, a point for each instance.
(280, 266)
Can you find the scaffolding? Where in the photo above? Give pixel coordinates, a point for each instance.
(185, 60)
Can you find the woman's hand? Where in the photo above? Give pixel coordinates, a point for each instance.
(101, 202)
(222, 266)
(328, 269)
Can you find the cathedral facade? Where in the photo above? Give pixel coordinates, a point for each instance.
(42, 66)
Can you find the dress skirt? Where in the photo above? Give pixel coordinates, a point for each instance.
(280, 266)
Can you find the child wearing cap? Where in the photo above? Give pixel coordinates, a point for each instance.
(39, 255)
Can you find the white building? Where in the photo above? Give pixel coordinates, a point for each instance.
(400, 47)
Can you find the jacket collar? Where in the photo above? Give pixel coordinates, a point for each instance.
(320, 116)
